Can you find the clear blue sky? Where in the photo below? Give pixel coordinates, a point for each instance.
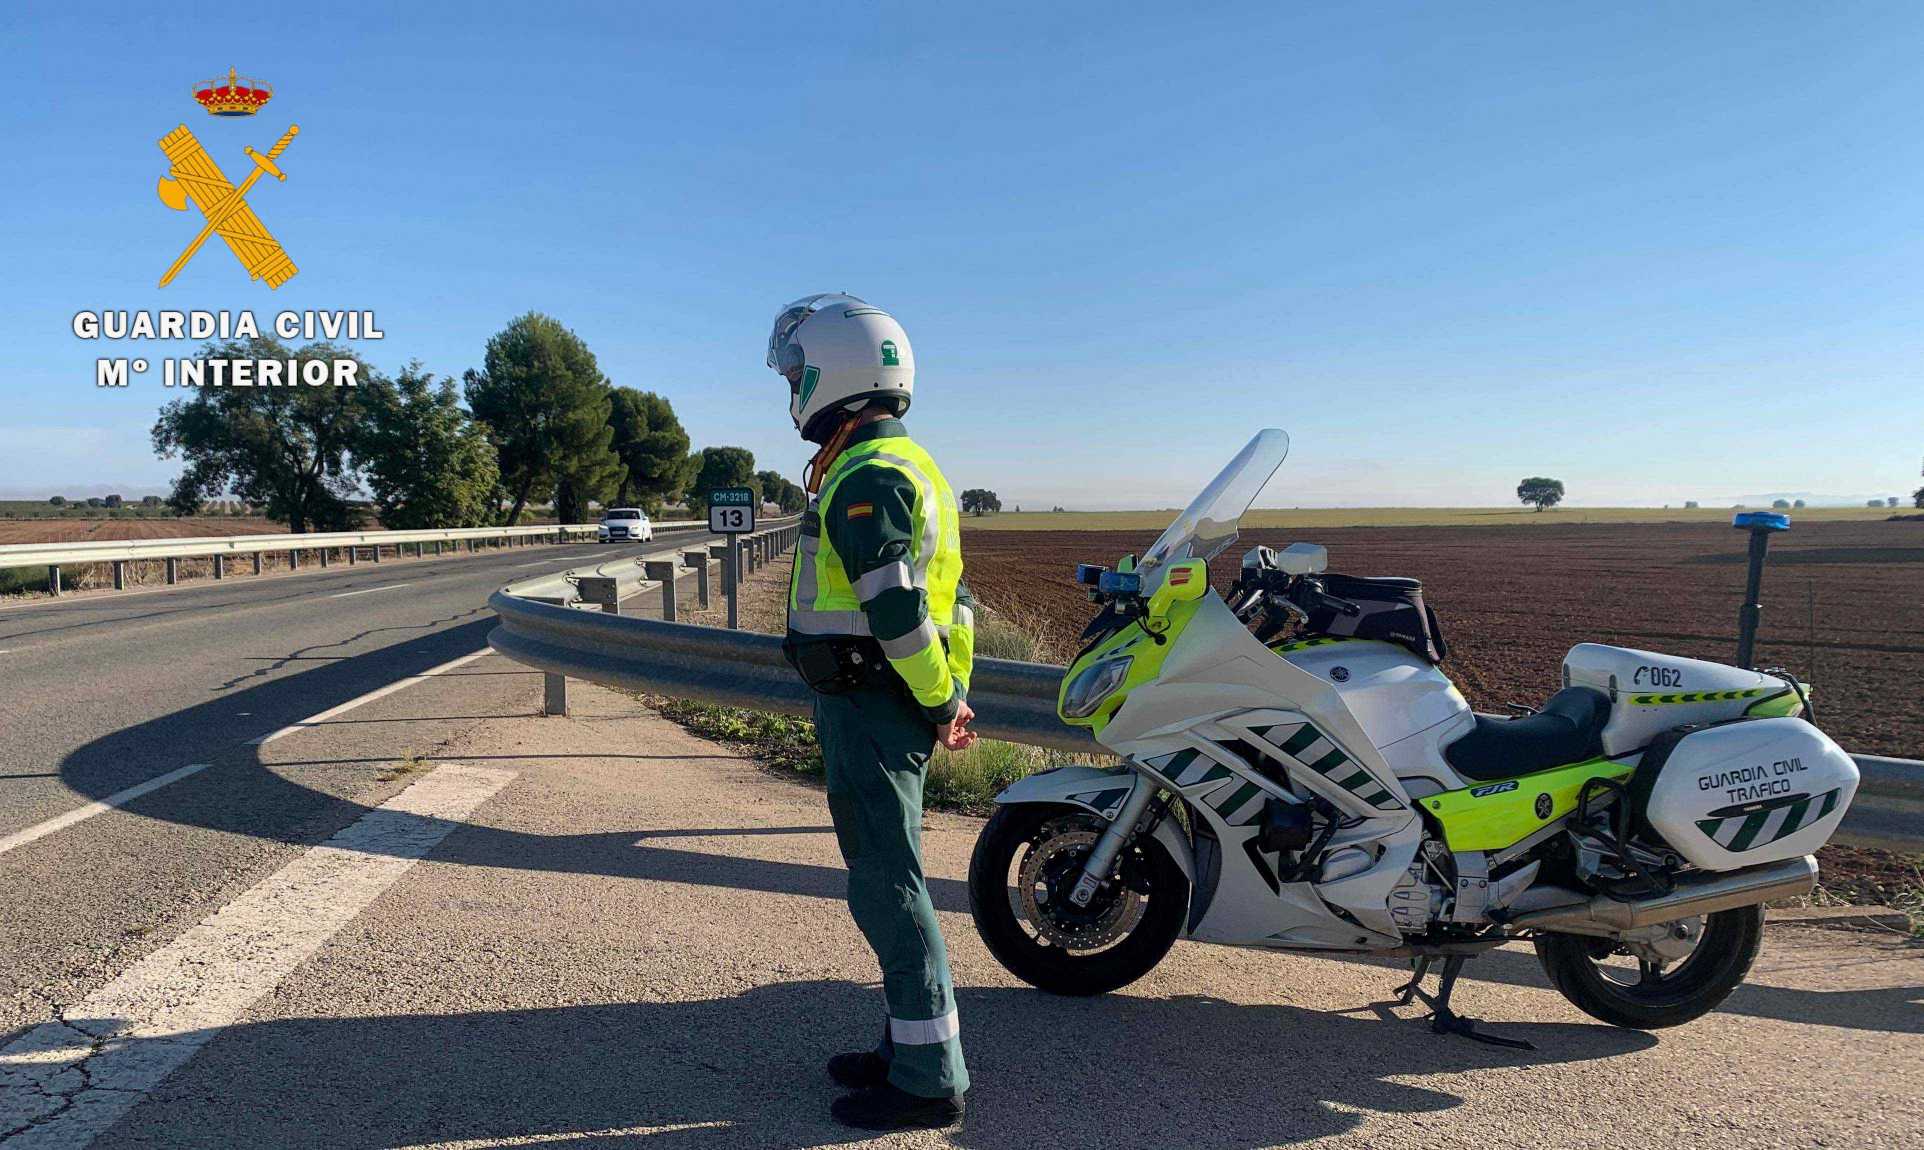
(1662, 252)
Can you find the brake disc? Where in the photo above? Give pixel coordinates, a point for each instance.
(1049, 872)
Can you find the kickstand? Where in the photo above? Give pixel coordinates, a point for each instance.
(1444, 1020)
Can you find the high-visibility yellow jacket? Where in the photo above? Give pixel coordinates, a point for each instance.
(881, 557)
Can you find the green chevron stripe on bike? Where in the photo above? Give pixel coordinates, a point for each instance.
(1309, 748)
(1760, 824)
(1677, 698)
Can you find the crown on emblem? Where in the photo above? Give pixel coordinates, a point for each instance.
(236, 95)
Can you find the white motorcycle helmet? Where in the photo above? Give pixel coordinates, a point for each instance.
(837, 353)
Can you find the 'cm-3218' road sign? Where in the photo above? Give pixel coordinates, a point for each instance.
(731, 510)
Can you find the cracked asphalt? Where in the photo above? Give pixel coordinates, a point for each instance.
(443, 920)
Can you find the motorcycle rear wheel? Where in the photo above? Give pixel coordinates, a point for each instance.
(1126, 940)
(1671, 996)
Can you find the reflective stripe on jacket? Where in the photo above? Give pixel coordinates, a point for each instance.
(881, 557)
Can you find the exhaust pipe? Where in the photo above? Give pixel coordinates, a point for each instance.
(1707, 895)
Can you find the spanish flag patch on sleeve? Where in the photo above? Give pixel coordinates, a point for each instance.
(860, 510)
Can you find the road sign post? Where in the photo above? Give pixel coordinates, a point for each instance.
(731, 512)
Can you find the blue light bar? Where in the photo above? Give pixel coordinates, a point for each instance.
(1760, 521)
(1120, 583)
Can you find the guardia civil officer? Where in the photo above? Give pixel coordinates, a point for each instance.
(880, 627)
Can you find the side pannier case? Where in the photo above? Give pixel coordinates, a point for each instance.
(1741, 793)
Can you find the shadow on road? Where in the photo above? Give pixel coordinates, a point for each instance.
(746, 1071)
(239, 795)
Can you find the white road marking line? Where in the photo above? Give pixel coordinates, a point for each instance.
(369, 590)
(117, 799)
(377, 693)
(66, 1082)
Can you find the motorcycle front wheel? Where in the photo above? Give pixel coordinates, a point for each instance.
(1026, 862)
(1605, 983)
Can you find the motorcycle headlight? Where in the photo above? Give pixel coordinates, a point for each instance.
(1092, 685)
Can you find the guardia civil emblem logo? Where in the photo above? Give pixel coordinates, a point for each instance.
(193, 176)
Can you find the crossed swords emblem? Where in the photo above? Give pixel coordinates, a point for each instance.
(195, 176)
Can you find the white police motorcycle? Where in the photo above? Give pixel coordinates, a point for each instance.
(1297, 772)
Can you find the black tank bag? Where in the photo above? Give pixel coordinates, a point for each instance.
(1392, 610)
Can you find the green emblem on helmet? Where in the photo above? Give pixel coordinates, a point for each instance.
(811, 375)
(889, 356)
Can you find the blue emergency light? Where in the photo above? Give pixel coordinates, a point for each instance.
(1760, 521)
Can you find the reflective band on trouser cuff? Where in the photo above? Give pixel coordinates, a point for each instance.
(964, 617)
(912, 643)
(883, 579)
(924, 1031)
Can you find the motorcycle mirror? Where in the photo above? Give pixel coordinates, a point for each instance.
(1185, 581)
(1303, 559)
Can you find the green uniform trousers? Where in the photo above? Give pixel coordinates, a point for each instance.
(876, 745)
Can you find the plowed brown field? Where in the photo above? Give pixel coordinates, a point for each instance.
(1843, 602)
(101, 530)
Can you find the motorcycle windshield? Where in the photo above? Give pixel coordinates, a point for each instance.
(1208, 524)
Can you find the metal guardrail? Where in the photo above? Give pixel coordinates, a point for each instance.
(219, 548)
(603, 587)
(1014, 702)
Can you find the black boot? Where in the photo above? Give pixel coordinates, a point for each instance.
(887, 1108)
(859, 1069)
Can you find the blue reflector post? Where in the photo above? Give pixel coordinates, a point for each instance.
(1760, 521)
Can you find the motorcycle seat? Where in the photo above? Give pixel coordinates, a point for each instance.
(1568, 729)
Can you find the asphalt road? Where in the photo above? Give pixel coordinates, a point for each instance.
(601, 931)
(440, 919)
(103, 692)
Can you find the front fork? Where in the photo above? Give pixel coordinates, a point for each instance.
(1121, 829)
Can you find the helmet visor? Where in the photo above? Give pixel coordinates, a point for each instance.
(789, 363)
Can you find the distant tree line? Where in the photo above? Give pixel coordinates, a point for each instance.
(536, 423)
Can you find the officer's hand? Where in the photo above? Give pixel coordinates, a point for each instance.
(955, 734)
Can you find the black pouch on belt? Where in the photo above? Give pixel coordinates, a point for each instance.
(832, 666)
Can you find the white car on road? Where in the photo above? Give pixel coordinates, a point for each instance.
(625, 525)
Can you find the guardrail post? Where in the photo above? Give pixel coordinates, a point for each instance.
(120, 574)
(698, 560)
(53, 578)
(257, 563)
(294, 559)
(664, 570)
(731, 576)
(377, 552)
(601, 590)
(353, 555)
(173, 571)
(220, 566)
(554, 694)
(325, 554)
